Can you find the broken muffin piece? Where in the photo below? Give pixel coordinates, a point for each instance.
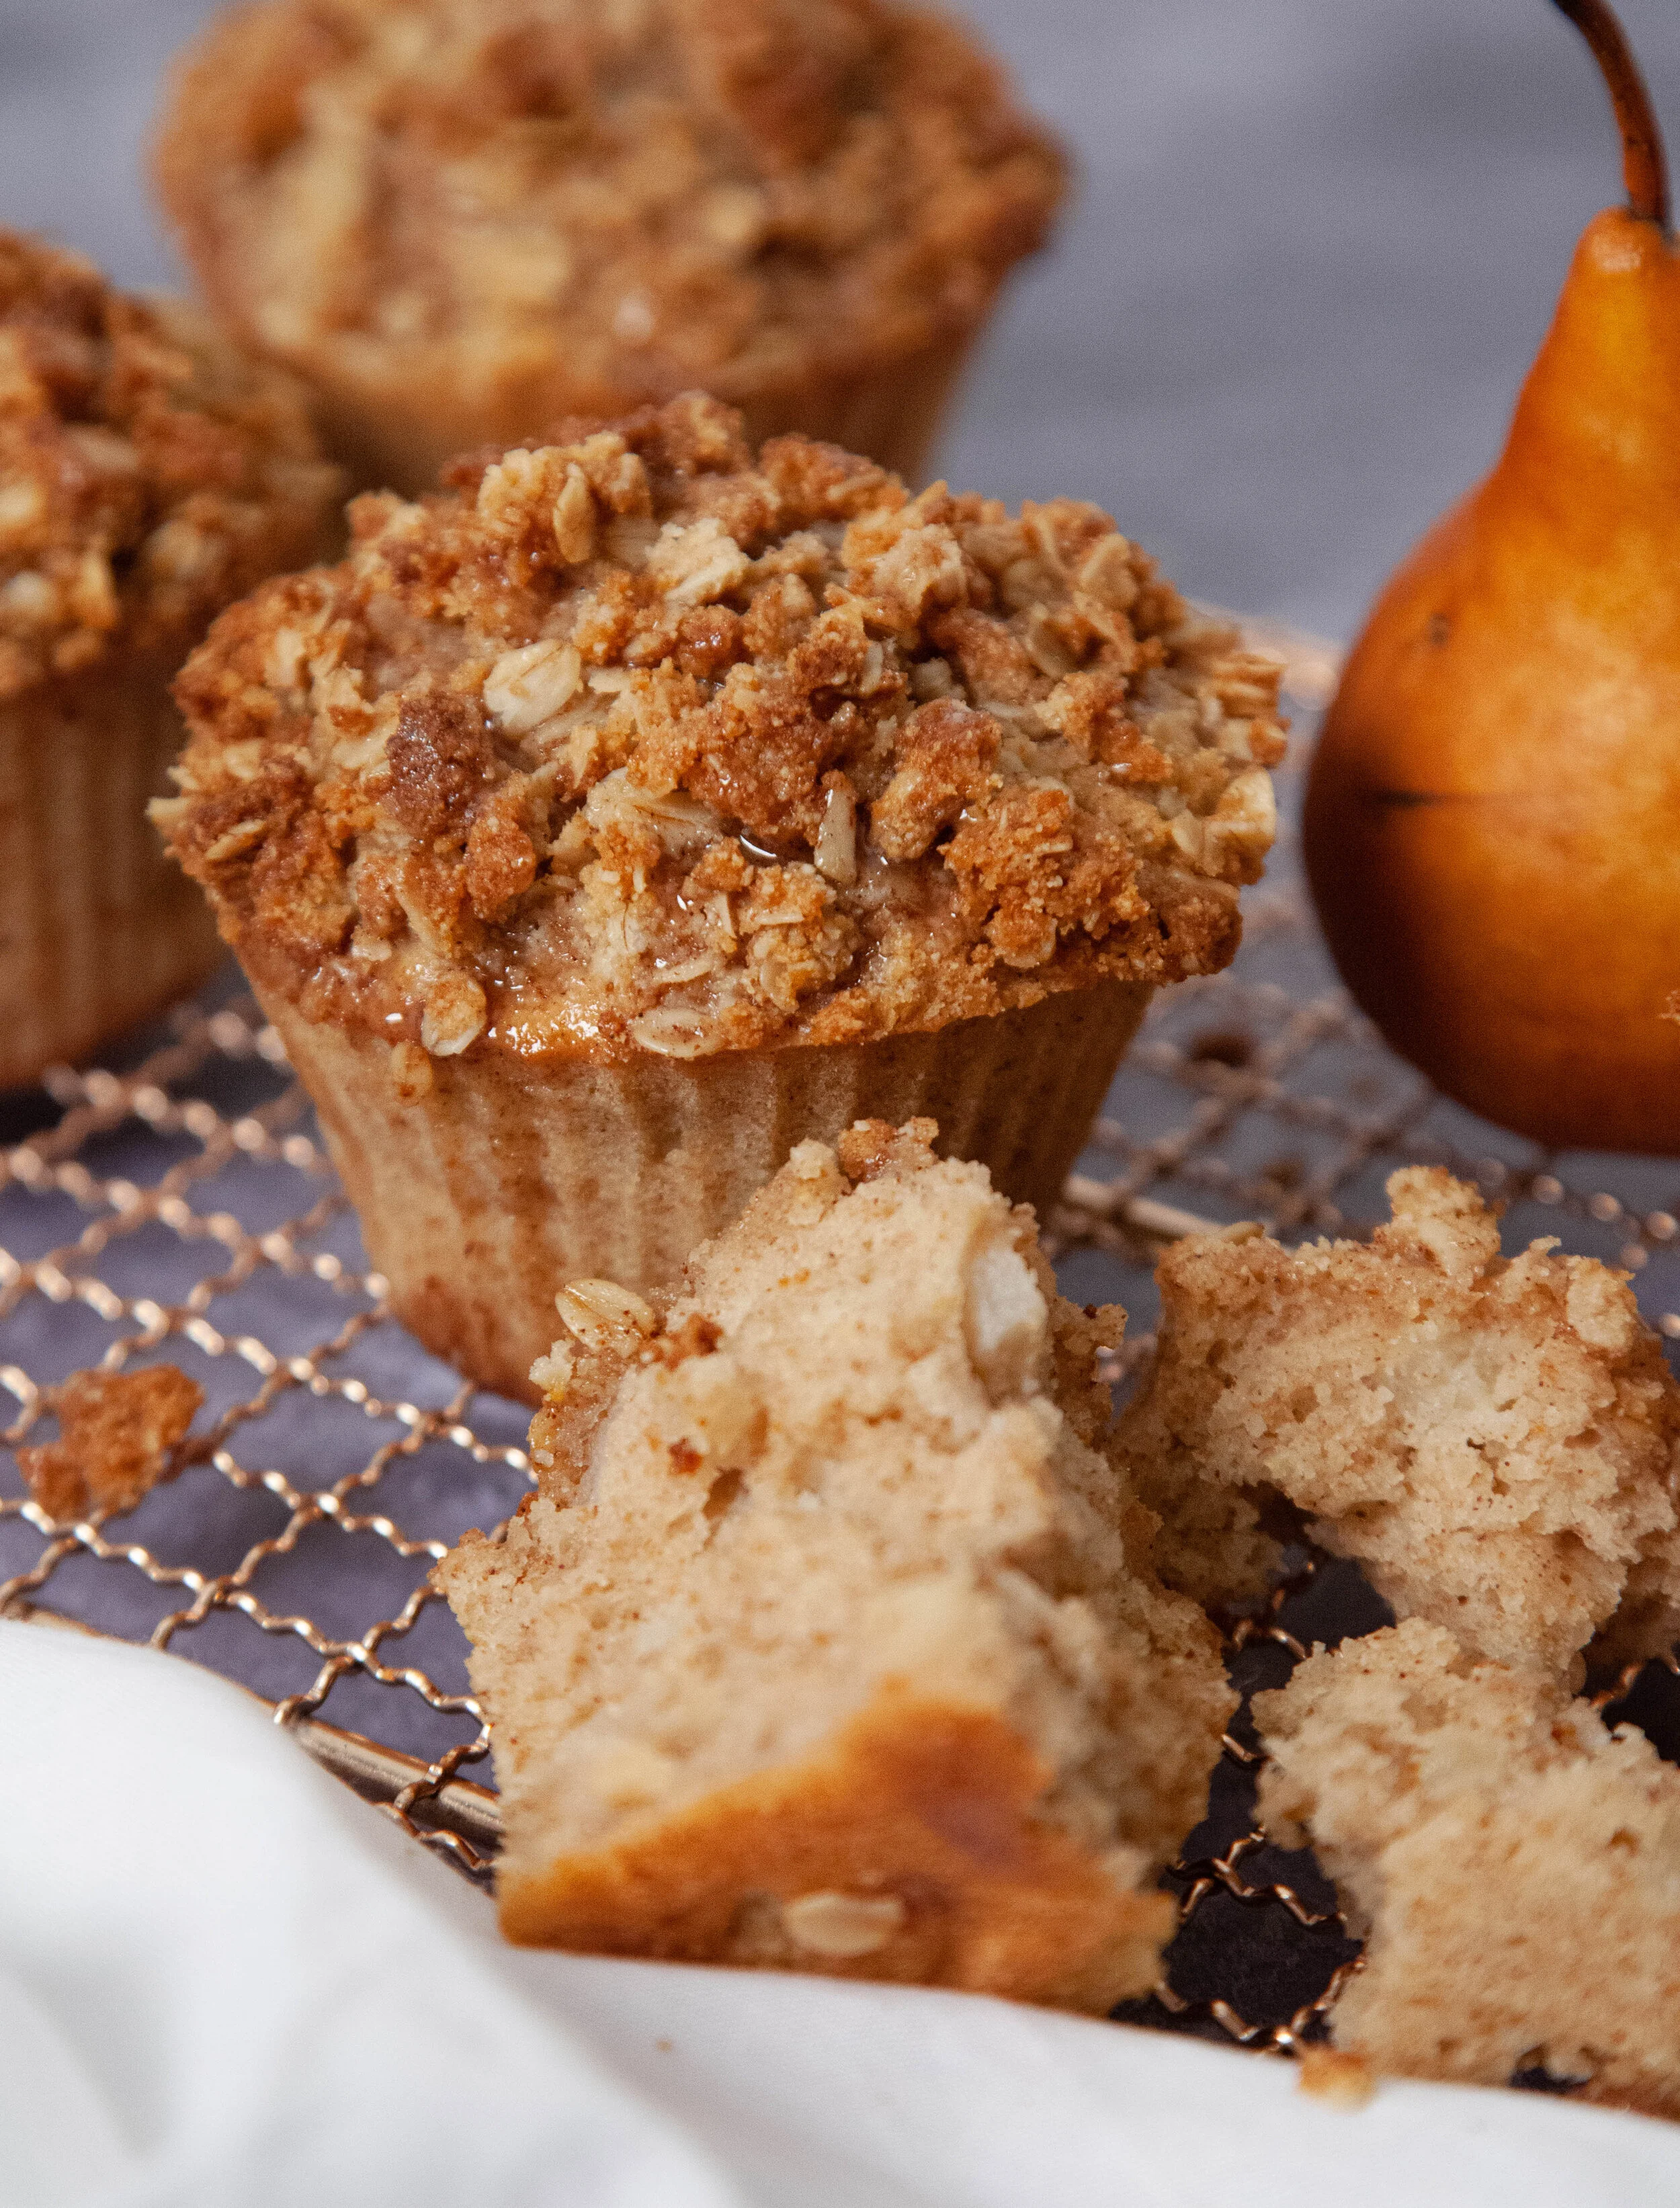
(649, 800)
(828, 1641)
(1513, 1865)
(1493, 1440)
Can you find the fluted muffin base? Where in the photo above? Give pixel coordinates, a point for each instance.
(513, 1175)
(97, 929)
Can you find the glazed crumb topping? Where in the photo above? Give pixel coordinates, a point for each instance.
(117, 1435)
(681, 191)
(638, 742)
(148, 475)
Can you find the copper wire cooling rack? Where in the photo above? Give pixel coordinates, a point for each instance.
(177, 1204)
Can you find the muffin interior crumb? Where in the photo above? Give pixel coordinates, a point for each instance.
(1494, 1441)
(1514, 1866)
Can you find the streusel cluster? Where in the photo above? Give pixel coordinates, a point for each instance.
(641, 740)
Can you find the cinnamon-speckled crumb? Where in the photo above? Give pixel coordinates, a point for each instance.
(641, 741)
(1494, 1441)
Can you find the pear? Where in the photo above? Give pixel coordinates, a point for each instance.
(1492, 827)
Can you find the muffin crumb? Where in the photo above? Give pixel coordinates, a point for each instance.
(1338, 2078)
(116, 1435)
(1513, 1865)
(824, 1576)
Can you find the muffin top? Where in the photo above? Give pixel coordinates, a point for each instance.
(148, 474)
(678, 191)
(638, 742)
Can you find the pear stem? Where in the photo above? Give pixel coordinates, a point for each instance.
(1644, 163)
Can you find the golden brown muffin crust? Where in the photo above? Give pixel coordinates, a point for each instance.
(641, 742)
(907, 1849)
(674, 191)
(148, 476)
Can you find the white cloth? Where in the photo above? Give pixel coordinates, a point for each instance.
(224, 1980)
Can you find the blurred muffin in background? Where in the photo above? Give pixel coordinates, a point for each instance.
(148, 477)
(465, 220)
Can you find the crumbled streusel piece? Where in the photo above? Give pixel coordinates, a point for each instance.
(645, 742)
(148, 474)
(116, 1434)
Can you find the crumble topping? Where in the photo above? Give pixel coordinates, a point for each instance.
(148, 476)
(675, 191)
(1496, 1441)
(636, 741)
(118, 1432)
(1512, 1863)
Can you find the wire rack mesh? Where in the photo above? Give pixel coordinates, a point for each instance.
(177, 1205)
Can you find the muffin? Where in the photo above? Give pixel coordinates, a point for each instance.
(1497, 1442)
(465, 220)
(147, 477)
(603, 827)
(830, 1641)
(1513, 1865)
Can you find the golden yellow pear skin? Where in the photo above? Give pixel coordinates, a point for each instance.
(1493, 816)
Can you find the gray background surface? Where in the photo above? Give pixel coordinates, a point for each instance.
(1315, 245)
